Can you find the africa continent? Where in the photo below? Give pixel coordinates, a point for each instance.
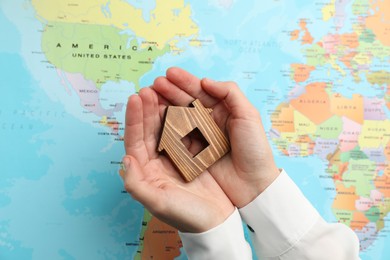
(350, 132)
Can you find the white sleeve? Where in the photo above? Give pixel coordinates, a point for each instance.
(284, 225)
(225, 241)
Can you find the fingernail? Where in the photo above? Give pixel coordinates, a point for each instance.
(122, 173)
(126, 163)
(209, 80)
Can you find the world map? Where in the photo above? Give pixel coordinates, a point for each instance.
(318, 72)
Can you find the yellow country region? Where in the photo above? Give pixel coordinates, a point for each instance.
(303, 125)
(358, 28)
(362, 58)
(84, 12)
(288, 137)
(293, 144)
(169, 20)
(374, 134)
(103, 120)
(328, 11)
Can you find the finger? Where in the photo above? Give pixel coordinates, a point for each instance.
(171, 92)
(134, 133)
(162, 101)
(234, 99)
(162, 105)
(136, 186)
(151, 120)
(190, 84)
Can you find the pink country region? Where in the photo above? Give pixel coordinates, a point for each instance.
(364, 204)
(374, 109)
(89, 95)
(350, 134)
(330, 43)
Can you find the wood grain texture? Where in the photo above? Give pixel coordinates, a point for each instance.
(180, 121)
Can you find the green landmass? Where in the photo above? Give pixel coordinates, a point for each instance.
(379, 77)
(100, 53)
(355, 154)
(344, 216)
(360, 175)
(360, 7)
(330, 129)
(367, 36)
(315, 55)
(146, 219)
(373, 214)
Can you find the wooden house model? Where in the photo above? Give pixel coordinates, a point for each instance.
(181, 121)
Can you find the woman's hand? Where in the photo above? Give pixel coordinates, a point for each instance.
(152, 179)
(249, 168)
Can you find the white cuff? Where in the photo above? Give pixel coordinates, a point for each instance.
(279, 217)
(225, 241)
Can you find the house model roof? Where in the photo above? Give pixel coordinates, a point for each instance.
(179, 122)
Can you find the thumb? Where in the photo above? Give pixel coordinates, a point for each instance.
(131, 172)
(227, 91)
(134, 181)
